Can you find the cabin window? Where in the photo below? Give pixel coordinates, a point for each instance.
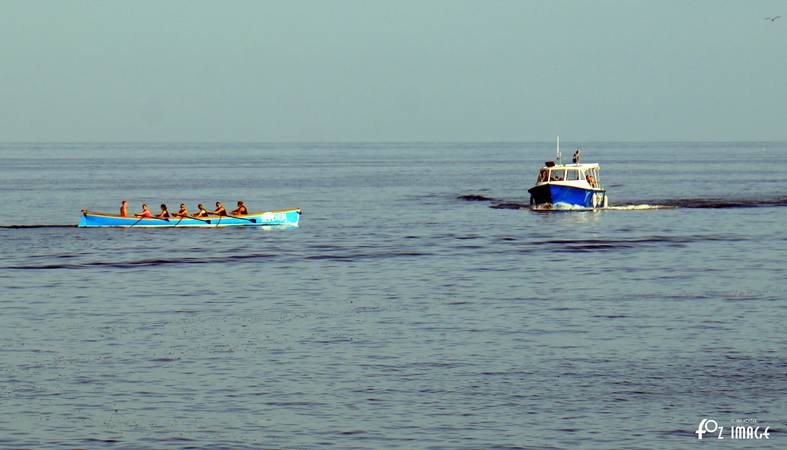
(592, 177)
(543, 176)
(557, 175)
(572, 175)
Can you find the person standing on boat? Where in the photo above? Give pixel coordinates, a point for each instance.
(241, 209)
(164, 214)
(123, 208)
(202, 211)
(219, 211)
(183, 211)
(145, 211)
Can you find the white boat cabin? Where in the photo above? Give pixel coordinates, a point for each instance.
(579, 175)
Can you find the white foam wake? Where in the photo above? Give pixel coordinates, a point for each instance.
(567, 207)
(641, 207)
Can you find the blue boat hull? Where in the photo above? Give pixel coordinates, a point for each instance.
(276, 219)
(571, 196)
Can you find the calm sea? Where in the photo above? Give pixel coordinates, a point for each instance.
(420, 304)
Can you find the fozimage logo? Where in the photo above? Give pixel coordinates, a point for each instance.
(741, 431)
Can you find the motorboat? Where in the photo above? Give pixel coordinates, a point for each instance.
(568, 186)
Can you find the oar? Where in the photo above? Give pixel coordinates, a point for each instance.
(154, 218)
(197, 218)
(140, 219)
(243, 218)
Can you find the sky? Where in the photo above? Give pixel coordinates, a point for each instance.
(396, 70)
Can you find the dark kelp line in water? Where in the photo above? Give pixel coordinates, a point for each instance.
(254, 257)
(691, 203)
(192, 229)
(140, 263)
(496, 203)
(476, 198)
(39, 226)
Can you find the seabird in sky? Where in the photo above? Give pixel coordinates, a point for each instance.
(774, 18)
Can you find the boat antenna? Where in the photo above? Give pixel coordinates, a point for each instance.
(557, 157)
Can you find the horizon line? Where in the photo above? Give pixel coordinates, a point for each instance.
(595, 141)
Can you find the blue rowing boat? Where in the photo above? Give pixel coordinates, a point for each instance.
(286, 219)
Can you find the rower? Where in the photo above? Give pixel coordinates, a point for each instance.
(123, 208)
(183, 212)
(164, 214)
(145, 211)
(241, 209)
(202, 211)
(219, 211)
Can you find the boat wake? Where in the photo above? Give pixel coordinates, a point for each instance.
(720, 203)
(644, 205)
(637, 207)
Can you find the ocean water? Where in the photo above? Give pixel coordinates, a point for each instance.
(420, 304)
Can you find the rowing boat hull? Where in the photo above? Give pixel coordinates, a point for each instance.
(286, 219)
